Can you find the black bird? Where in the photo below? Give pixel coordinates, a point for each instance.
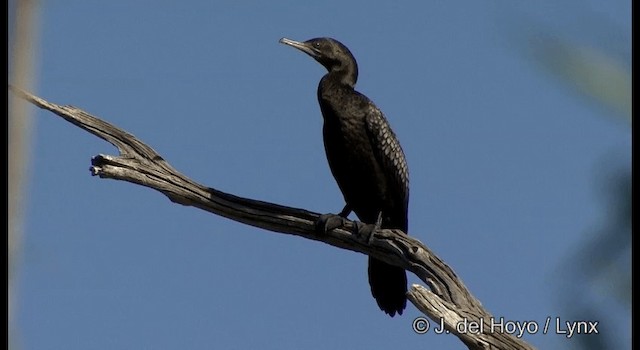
(365, 159)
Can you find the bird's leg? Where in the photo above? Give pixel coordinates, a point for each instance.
(367, 230)
(328, 222)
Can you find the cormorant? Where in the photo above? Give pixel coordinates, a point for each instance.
(365, 159)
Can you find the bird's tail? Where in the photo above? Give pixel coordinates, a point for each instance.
(388, 286)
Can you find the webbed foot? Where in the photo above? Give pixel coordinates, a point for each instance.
(328, 222)
(367, 230)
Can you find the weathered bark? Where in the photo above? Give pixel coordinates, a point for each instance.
(448, 300)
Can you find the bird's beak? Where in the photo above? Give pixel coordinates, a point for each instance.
(300, 46)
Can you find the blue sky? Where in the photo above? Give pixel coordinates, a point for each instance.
(506, 163)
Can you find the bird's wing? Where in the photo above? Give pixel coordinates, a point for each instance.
(387, 151)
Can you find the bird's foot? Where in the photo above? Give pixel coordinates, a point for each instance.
(328, 222)
(367, 231)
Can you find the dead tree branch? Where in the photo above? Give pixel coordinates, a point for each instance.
(447, 301)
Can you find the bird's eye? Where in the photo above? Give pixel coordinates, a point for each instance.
(316, 44)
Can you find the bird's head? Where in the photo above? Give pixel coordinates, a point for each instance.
(330, 53)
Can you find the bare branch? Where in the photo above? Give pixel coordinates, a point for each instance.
(448, 300)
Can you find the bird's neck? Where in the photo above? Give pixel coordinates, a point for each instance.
(332, 87)
(334, 81)
(346, 74)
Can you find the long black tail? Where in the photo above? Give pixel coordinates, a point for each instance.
(388, 286)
